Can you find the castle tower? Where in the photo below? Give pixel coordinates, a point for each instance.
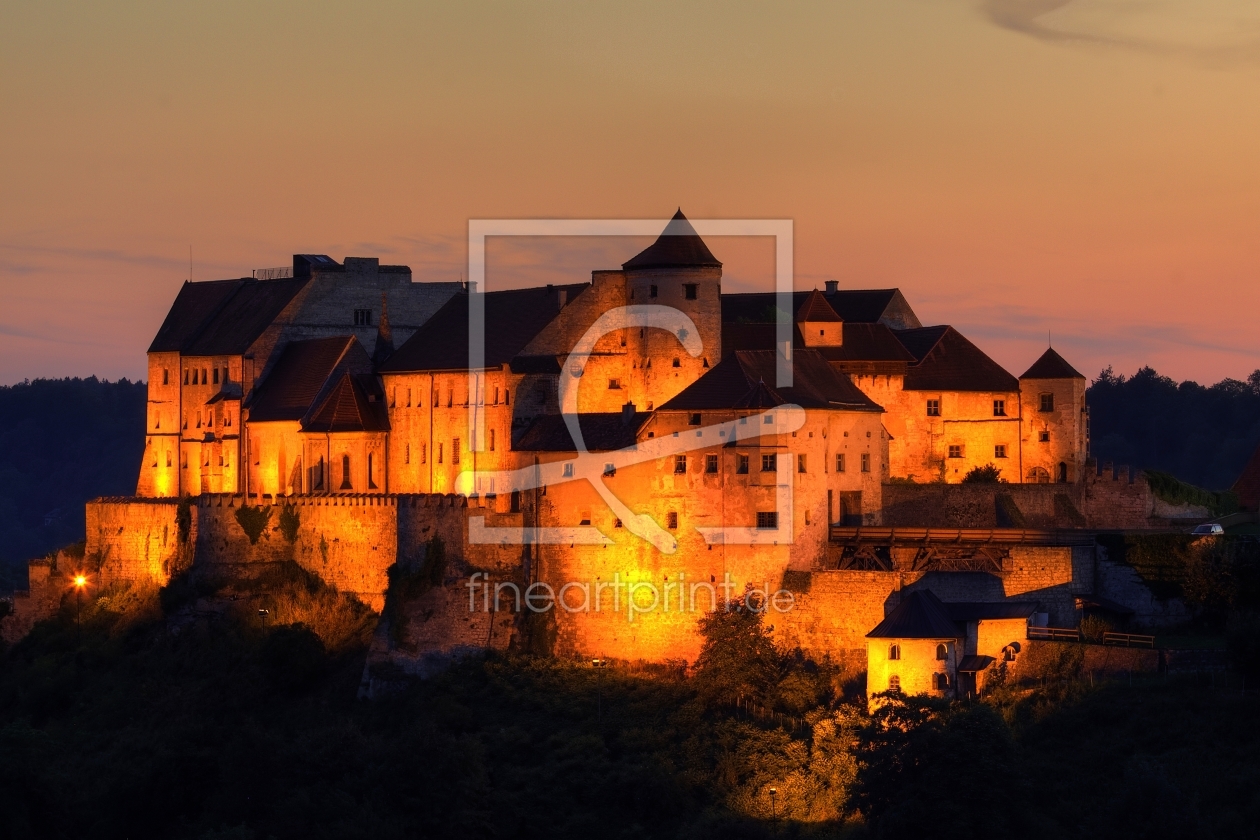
(1055, 421)
(677, 270)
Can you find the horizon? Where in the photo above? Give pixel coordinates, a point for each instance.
(1085, 170)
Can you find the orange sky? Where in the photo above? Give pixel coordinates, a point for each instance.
(1090, 167)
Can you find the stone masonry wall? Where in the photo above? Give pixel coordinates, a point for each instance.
(135, 540)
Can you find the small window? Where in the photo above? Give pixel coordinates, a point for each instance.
(216, 376)
(345, 472)
(866, 462)
(741, 465)
(614, 384)
(166, 376)
(407, 454)
(616, 523)
(610, 469)
(894, 684)
(424, 453)
(710, 463)
(840, 462)
(492, 440)
(769, 463)
(933, 408)
(185, 376)
(371, 464)
(800, 463)
(680, 464)
(942, 652)
(999, 408)
(1047, 402)
(515, 504)
(677, 362)
(999, 450)
(768, 520)
(568, 470)
(671, 520)
(363, 317)
(651, 291)
(1044, 437)
(894, 652)
(941, 682)
(689, 290)
(584, 518)
(496, 396)
(441, 453)
(455, 450)
(168, 459)
(203, 376)
(507, 397)
(955, 450)
(693, 420)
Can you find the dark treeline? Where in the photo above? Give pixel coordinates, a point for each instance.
(1202, 435)
(62, 442)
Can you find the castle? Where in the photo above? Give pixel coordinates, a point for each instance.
(606, 436)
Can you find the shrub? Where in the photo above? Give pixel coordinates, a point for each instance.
(988, 474)
(183, 518)
(1093, 628)
(289, 522)
(253, 521)
(1173, 490)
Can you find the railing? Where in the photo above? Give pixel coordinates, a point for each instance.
(282, 273)
(1011, 536)
(1054, 634)
(1128, 639)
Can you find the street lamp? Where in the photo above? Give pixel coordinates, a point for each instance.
(774, 814)
(599, 665)
(80, 581)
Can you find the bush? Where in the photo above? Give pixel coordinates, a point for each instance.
(183, 518)
(253, 521)
(1094, 627)
(289, 522)
(988, 474)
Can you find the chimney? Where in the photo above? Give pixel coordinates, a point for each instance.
(832, 286)
(563, 297)
(627, 413)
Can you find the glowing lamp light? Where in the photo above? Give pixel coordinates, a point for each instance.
(80, 581)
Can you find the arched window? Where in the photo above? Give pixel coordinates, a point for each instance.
(942, 652)
(894, 684)
(894, 652)
(1039, 475)
(1062, 472)
(345, 472)
(940, 682)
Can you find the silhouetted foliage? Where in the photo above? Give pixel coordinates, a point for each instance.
(289, 522)
(738, 658)
(62, 442)
(988, 474)
(183, 518)
(1202, 435)
(253, 520)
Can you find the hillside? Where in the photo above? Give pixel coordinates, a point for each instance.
(62, 442)
(1202, 435)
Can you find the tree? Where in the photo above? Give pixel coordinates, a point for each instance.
(737, 658)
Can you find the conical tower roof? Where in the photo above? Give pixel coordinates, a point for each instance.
(679, 246)
(1051, 366)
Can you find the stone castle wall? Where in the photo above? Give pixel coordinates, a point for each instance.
(136, 540)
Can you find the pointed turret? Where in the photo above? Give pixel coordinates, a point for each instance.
(1051, 366)
(678, 246)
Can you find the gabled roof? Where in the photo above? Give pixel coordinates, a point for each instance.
(1051, 366)
(678, 246)
(299, 375)
(354, 404)
(815, 308)
(869, 306)
(739, 379)
(982, 611)
(601, 432)
(947, 361)
(513, 318)
(861, 342)
(920, 615)
(223, 317)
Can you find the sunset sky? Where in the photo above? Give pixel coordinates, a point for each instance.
(1089, 168)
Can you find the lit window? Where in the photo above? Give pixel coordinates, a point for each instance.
(800, 463)
(769, 463)
(680, 464)
(840, 462)
(894, 652)
(866, 462)
(768, 520)
(999, 408)
(1047, 402)
(955, 450)
(710, 463)
(999, 451)
(741, 465)
(689, 290)
(671, 518)
(933, 408)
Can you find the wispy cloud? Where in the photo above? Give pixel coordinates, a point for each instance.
(1212, 32)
